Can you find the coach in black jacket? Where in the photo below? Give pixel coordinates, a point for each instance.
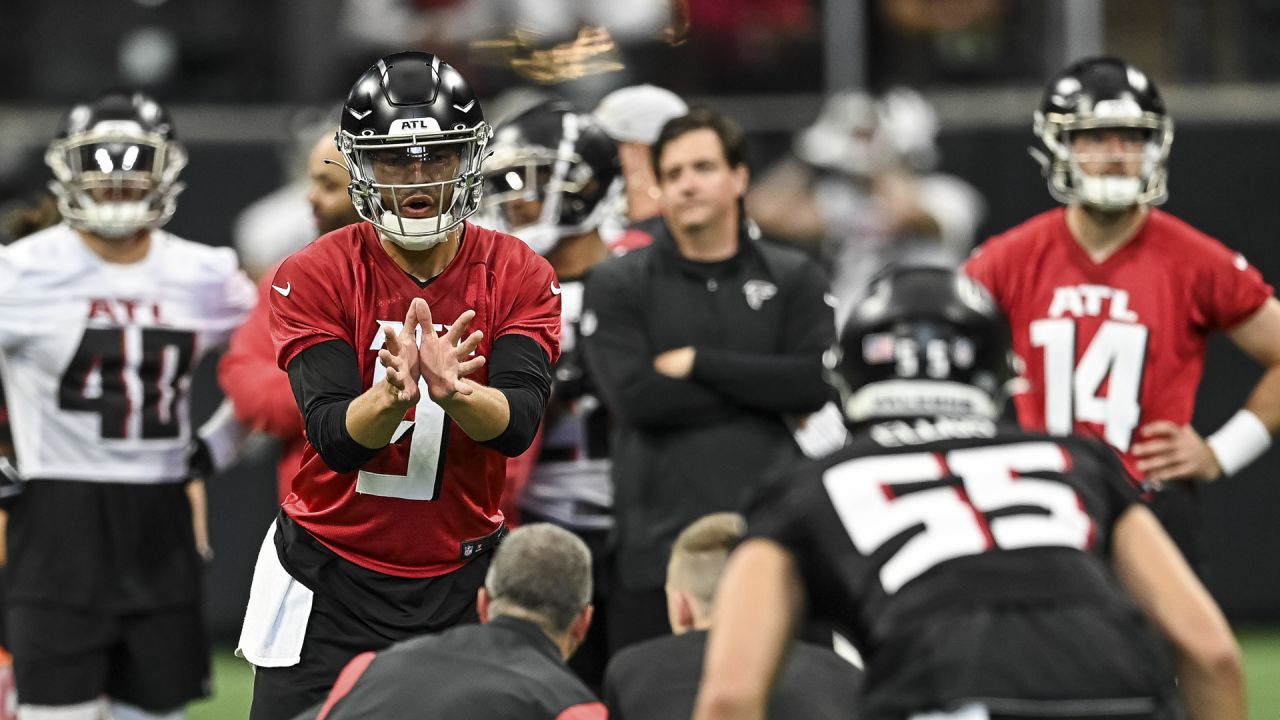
(535, 606)
(701, 343)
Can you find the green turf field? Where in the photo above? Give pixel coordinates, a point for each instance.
(233, 681)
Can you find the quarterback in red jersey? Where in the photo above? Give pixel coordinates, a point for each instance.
(1111, 301)
(419, 349)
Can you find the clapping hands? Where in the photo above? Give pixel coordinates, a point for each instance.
(443, 361)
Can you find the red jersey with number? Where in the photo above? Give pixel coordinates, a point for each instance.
(1111, 346)
(413, 510)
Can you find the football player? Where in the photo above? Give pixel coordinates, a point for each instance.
(551, 181)
(1111, 301)
(986, 572)
(419, 348)
(103, 317)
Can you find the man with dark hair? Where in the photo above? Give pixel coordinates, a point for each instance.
(986, 572)
(536, 608)
(700, 343)
(419, 348)
(658, 678)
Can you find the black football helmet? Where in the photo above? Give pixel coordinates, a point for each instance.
(414, 137)
(1103, 92)
(116, 162)
(926, 342)
(553, 173)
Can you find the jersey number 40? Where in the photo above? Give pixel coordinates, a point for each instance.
(132, 377)
(876, 502)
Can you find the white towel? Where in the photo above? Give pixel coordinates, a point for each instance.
(275, 621)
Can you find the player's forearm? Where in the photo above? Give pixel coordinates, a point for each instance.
(772, 383)
(1213, 688)
(373, 417)
(1250, 432)
(755, 607)
(482, 415)
(1264, 401)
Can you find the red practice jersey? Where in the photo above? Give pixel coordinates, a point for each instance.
(1112, 346)
(413, 509)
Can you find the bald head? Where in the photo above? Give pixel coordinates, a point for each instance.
(330, 204)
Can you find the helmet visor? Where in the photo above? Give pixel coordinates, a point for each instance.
(114, 170)
(514, 196)
(417, 181)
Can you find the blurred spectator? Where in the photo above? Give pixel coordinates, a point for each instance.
(700, 343)
(286, 219)
(534, 611)
(550, 181)
(658, 679)
(633, 116)
(749, 46)
(257, 388)
(932, 42)
(859, 189)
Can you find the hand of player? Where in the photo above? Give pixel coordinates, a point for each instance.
(1169, 451)
(444, 360)
(399, 355)
(676, 363)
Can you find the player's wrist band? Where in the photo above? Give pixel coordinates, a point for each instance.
(1239, 442)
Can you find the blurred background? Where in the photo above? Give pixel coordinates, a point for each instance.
(250, 82)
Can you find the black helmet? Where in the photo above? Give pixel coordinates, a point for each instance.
(1095, 93)
(413, 109)
(116, 162)
(927, 341)
(560, 159)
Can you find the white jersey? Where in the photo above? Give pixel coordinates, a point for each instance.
(97, 357)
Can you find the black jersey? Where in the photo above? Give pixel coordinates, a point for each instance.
(971, 564)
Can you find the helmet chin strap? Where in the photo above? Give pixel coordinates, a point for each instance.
(1109, 192)
(917, 398)
(115, 219)
(419, 233)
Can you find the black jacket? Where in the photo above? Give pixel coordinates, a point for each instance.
(505, 670)
(683, 448)
(658, 679)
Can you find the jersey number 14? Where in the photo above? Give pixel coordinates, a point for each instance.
(1073, 391)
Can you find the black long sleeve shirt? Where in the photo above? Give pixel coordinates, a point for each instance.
(759, 324)
(326, 378)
